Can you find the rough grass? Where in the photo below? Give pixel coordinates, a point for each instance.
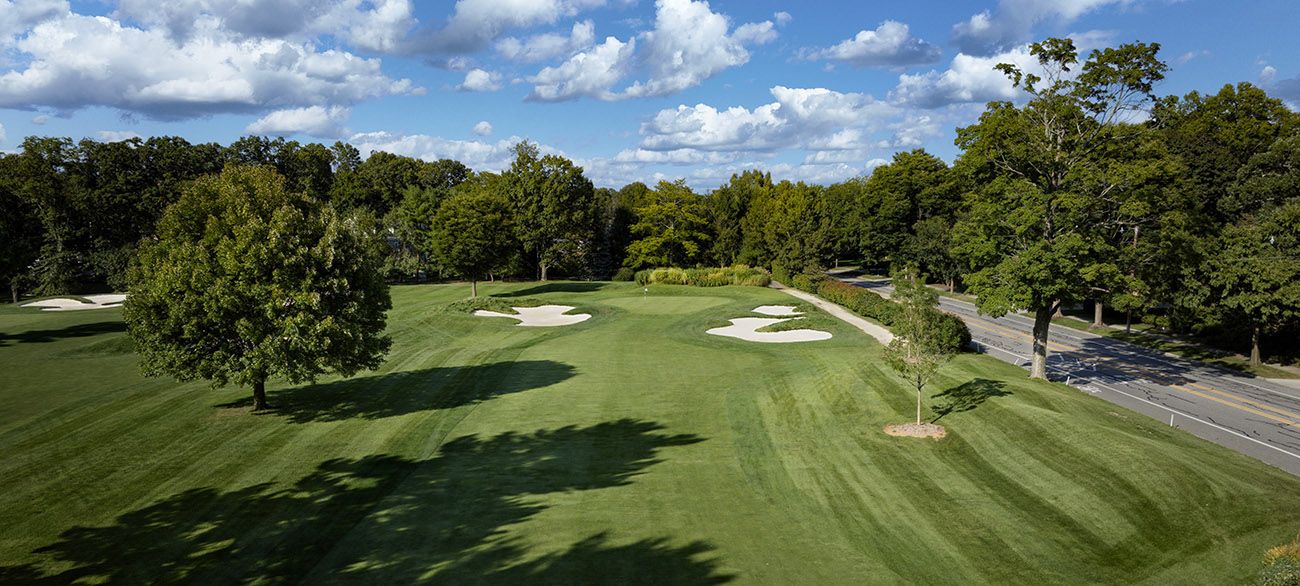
(632, 448)
(487, 303)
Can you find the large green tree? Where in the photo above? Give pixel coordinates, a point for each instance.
(1029, 230)
(672, 228)
(247, 281)
(554, 204)
(472, 234)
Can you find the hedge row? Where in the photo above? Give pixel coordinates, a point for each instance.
(707, 277)
(867, 303)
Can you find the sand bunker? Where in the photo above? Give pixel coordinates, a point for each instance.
(744, 327)
(65, 304)
(777, 310)
(541, 316)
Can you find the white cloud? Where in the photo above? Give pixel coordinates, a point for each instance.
(799, 118)
(589, 73)
(378, 25)
(115, 135)
(39, 120)
(19, 16)
(477, 80)
(483, 128)
(782, 18)
(890, 45)
(77, 61)
(1188, 56)
(967, 79)
(315, 121)
(688, 45)
(477, 155)
(1267, 75)
(475, 24)
(2, 133)
(548, 46)
(1013, 21)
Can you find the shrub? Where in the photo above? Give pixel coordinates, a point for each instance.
(808, 282)
(859, 301)
(1281, 573)
(705, 277)
(624, 274)
(780, 274)
(952, 331)
(497, 304)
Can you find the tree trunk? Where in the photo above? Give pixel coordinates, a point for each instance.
(543, 266)
(1096, 315)
(473, 288)
(1128, 322)
(1058, 314)
(13, 288)
(259, 395)
(1254, 347)
(952, 285)
(918, 404)
(1042, 320)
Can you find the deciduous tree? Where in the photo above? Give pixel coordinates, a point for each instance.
(247, 281)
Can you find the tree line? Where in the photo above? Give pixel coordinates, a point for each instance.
(1180, 210)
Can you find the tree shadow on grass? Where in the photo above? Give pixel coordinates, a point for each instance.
(389, 520)
(967, 396)
(399, 393)
(77, 331)
(563, 287)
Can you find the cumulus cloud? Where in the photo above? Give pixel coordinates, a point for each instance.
(318, 121)
(548, 46)
(589, 73)
(77, 61)
(799, 118)
(19, 16)
(39, 120)
(378, 25)
(478, 80)
(890, 45)
(1012, 22)
(115, 135)
(483, 128)
(2, 134)
(478, 155)
(967, 79)
(688, 45)
(476, 24)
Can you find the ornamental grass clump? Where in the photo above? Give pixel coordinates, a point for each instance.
(1281, 565)
(705, 277)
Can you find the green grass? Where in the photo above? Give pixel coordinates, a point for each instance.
(1190, 352)
(631, 448)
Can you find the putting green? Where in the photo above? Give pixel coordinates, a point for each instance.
(631, 448)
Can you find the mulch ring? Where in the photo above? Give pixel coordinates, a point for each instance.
(917, 430)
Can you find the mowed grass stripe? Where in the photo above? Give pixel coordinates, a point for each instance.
(631, 448)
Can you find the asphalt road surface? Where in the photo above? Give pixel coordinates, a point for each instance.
(1248, 414)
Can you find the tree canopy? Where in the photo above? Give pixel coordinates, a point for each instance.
(247, 281)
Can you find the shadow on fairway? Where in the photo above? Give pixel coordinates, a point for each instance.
(967, 396)
(388, 520)
(568, 287)
(77, 331)
(399, 393)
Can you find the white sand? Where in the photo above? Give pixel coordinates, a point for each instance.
(743, 328)
(541, 316)
(777, 310)
(65, 304)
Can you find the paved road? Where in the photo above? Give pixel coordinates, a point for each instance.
(1250, 415)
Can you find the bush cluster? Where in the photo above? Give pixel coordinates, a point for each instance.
(952, 333)
(1282, 565)
(859, 301)
(624, 274)
(705, 277)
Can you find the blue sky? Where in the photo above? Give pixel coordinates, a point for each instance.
(630, 90)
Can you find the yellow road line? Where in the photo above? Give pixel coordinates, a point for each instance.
(1113, 363)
